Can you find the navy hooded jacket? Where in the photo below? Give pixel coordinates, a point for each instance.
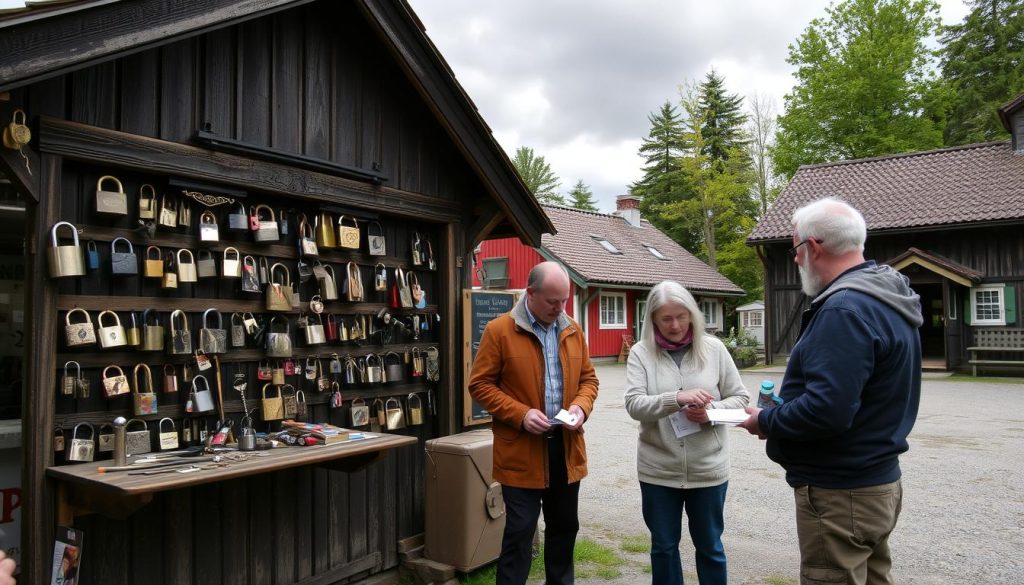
(852, 384)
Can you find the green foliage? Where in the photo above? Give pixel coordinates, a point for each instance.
(537, 176)
(864, 85)
(581, 197)
(722, 120)
(592, 559)
(983, 62)
(742, 346)
(636, 543)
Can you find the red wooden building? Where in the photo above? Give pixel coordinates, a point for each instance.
(613, 261)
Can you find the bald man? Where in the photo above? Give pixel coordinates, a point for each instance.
(533, 363)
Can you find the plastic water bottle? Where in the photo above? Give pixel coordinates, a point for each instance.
(766, 398)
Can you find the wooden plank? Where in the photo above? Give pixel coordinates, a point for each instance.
(143, 154)
(147, 544)
(219, 73)
(318, 105)
(304, 515)
(449, 388)
(94, 95)
(87, 476)
(339, 526)
(139, 90)
(111, 562)
(285, 67)
(321, 522)
(179, 560)
(235, 533)
(388, 543)
(254, 82)
(38, 407)
(261, 524)
(209, 555)
(375, 519)
(337, 574)
(357, 513)
(178, 91)
(347, 84)
(285, 525)
(36, 48)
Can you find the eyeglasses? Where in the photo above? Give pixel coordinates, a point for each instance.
(792, 251)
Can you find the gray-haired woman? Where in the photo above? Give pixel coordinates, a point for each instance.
(673, 375)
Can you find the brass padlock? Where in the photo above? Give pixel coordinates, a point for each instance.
(277, 374)
(266, 230)
(111, 202)
(168, 439)
(17, 133)
(65, 261)
(58, 439)
(325, 237)
(168, 212)
(170, 279)
(147, 202)
(348, 235)
(82, 449)
(380, 278)
(154, 266)
(415, 411)
(106, 438)
(69, 383)
(79, 334)
(133, 333)
(152, 331)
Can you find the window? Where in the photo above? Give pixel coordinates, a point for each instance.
(606, 244)
(641, 312)
(710, 310)
(987, 305)
(752, 319)
(613, 311)
(654, 251)
(952, 303)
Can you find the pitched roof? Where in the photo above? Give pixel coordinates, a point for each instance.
(969, 184)
(575, 246)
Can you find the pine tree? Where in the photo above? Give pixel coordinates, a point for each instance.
(982, 60)
(581, 197)
(724, 119)
(662, 182)
(537, 176)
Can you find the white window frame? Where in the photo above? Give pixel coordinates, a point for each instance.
(1000, 295)
(712, 306)
(620, 310)
(641, 312)
(750, 318)
(608, 246)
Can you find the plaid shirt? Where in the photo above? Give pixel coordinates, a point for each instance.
(552, 365)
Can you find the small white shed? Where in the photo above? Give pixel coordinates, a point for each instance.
(751, 319)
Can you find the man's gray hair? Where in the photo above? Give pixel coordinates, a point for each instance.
(538, 272)
(837, 224)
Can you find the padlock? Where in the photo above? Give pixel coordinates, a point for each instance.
(186, 372)
(106, 438)
(133, 333)
(335, 364)
(289, 367)
(115, 385)
(353, 283)
(351, 371)
(92, 255)
(289, 401)
(111, 335)
(69, 383)
(231, 264)
(376, 244)
(186, 431)
(147, 202)
(111, 202)
(208, 229)
(328, 282)
(374, 369)
(249, 320)
(312, 368)
(380, 278)
(282, 222)
(332, 328)
(79, 334)
(250, 278)
(417, 249)
(137, 442)
(203, 362)
(237, 330)
(315, 334)
(168, 439)
(184, 213)
(415, 410)
(84, 389)
(213, 340)
(170, 279)
(238, 219)
(123, 263)
(144, 402)
(379, 415)
(348, 235)
(170, 379)
(17, 134)
(359, 411)
(82, 449)
(325, 237)
(278, 295)
(168, 212)
(272, 407)
(430, 257)
(152, 331)
(154, 266)
(202, 395)
(307, 238)
(65, 261)
(206, 264)
(187, 267)
(267, 228)
(394, 414)
(58, 439)
(394, 372)
(264, 371)
(301, 408)
(277, 373)
(181, 337)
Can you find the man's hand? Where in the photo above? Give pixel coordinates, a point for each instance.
(751, 423)
(580, 418)
(536, 422)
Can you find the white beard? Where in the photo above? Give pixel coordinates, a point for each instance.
(809, 281)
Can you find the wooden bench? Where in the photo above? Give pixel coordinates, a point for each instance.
(989, 341)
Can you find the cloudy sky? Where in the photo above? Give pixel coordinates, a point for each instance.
(576, 79)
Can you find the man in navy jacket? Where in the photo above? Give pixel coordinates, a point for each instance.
(850, 398)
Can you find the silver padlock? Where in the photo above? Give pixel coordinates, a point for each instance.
(208, 229)
(68, 383)
(111, 335)
(82, 449)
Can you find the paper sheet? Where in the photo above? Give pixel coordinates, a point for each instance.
(727, 416)
(682, 425)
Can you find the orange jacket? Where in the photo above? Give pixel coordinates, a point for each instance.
(508, 380)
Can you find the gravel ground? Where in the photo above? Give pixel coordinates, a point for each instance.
(963, 507)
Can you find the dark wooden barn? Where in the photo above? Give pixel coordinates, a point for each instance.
(950, 219)
(306, 106)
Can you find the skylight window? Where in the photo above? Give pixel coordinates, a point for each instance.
(654, 252)
(606, 244)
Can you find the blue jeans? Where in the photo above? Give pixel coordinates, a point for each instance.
(663, 513)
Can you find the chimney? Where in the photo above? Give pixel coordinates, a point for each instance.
(628, 208)
(1012, 116)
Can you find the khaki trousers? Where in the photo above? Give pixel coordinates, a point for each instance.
(844, 534)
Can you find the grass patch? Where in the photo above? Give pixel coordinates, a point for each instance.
(592, 559)
(780, 580)
(637, 543)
